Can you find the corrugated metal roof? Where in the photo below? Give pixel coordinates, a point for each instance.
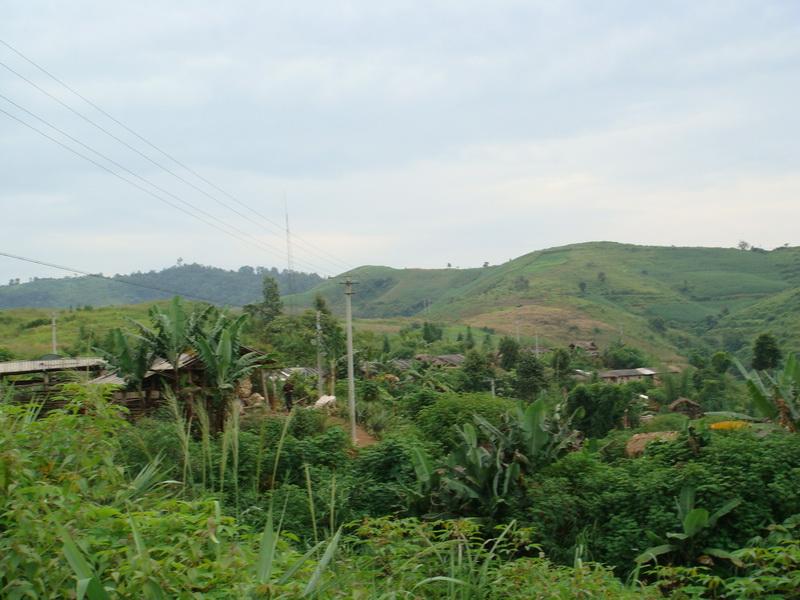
(109, 378)
(626, 373)
(162, 364)
(20, 367)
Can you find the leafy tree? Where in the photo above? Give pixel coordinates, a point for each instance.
(431, 332)
(476, 371)
(601, 277)
(766, 353)
(530, 377)
(698, 359)
(560, 360)
(582, 287)
(321, 304)
(293, 337)
(509, 352)
(486, 344)
(469, 340)
(602, 407)
(721, 362)
(620, 356)
(270, 306)
(438, 419)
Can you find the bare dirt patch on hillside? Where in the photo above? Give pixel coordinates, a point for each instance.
(554, 323)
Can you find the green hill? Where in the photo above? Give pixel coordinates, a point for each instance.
(233, 288)
(662, 299)
(665, 300)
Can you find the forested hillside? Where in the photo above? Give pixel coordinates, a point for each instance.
(200, 282)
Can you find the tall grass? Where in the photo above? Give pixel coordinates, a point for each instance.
(206, 460)
(183, 429)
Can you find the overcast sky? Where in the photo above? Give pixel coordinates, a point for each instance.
(399, 133)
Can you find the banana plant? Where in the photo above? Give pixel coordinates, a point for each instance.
(479, 475)
(130, 357)
(431, 378)
(696, 523)
(225, 365)
(776, 397)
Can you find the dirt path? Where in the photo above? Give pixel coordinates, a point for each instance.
(363, 438)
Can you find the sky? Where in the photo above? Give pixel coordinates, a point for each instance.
(410, 134)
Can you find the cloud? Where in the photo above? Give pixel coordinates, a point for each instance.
(407, 134)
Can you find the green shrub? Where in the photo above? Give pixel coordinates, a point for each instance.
(439, 421)
(412, 404)
(35, 323)
(602, 407)
(307, 422)
(384, 472)
(666, 422)
(614, 504)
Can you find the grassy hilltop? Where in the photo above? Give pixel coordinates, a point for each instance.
(657, 297)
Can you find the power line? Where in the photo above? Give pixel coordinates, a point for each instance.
(321, 254)
(111, 279)
(257, 243)
(145, 180)
(124, 143)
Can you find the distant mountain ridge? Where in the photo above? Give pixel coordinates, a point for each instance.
(220, 286)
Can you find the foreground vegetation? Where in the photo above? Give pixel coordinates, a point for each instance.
(503, 478)
(79, 519)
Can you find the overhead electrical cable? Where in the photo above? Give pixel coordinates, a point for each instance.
(123, 142)
(310, 248)
(259, 245)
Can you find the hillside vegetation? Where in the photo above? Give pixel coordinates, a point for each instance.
(662, 299)
(666, 301)
(193, 281)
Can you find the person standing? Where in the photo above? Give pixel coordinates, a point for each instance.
(288, 392)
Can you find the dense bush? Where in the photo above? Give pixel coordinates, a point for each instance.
(610, 506)
(76, 524)
(384, 473)
(601, 407)
(439, 422)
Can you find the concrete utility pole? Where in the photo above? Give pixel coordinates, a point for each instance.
(351, 383)
(320, 390)
(53, 332)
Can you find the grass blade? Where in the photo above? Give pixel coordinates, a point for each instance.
(322, 565)
(88, 583)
